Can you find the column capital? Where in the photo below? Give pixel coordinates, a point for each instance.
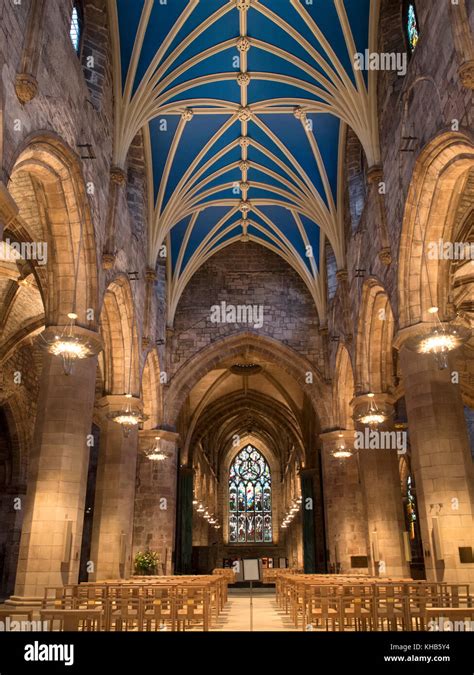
(26, 87)
(150, 274)
(410, 332)
(342, 275)
(94, 339)
(375, 174)
(118, 176)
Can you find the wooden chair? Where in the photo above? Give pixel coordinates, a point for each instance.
(357, 607)
(124, 610)
(73, 619)
(389, 610)
(192, 607)
(322, 608)
(159, 607)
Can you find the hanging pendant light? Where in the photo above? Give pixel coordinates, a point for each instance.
(440, 338)
(155, 453)
(373, 416)
(129, 418)
(70, 344)
(341, 451)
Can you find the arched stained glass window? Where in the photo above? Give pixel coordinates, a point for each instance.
(250, 498)
(412, 28)
(75, 28)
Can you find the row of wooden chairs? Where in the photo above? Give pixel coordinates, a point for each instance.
(173, 603)
(367, 604)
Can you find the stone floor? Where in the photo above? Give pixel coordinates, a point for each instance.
(266, 614)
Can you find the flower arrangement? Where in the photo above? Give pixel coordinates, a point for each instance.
(146, 562)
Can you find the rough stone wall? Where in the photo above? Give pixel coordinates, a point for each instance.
(74, 104)
(243, 274)
(422, 104)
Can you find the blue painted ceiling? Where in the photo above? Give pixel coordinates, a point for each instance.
(283, 167)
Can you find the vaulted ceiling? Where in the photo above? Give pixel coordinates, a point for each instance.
(244, 106)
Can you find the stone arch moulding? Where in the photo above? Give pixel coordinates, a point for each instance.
(151, 390)
(57, 170)
(374, 363)
(429, 217)
(120, 336)
(343, 389)
(266, 348)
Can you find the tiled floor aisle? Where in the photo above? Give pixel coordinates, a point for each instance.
(266, 614)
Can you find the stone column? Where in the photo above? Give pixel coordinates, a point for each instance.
(26, 84)
(307, 520)
(155, 498)
(380, 476)
(57, 478)
(111, 543)
(184, 539)
(117, 183)
(346, 519)
(441, 463)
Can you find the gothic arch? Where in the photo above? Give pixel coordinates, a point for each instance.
(374, 360)
(343, 389)
(438, 181)
(120, 335)
(263, 347)
(55, 176)
(151, 390)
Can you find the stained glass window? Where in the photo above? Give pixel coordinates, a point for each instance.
(250, 498)
(412, 28)
(75, 29)
(411, 508)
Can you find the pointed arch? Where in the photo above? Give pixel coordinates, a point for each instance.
(343, 389)
(151, 390)
(438, 181)
(57, 186)
(374, 359)
(120, 336)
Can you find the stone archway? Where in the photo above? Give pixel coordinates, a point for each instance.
(438, 181)
(249, 344)
(343, 390)
(121, 359)
(48, 171)
(374, 361)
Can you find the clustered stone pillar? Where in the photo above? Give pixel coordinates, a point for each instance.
(111, 544)
(54, 511)
(155, 498)
(442, 465)
(184, 539)
(380, 475)
(346, 521)
(307, 520)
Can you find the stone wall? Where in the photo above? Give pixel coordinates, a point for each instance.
(245, 274)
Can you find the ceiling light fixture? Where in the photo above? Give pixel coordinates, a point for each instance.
(440, 338)
(128, 417)
(155, 453)
(373, 416)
